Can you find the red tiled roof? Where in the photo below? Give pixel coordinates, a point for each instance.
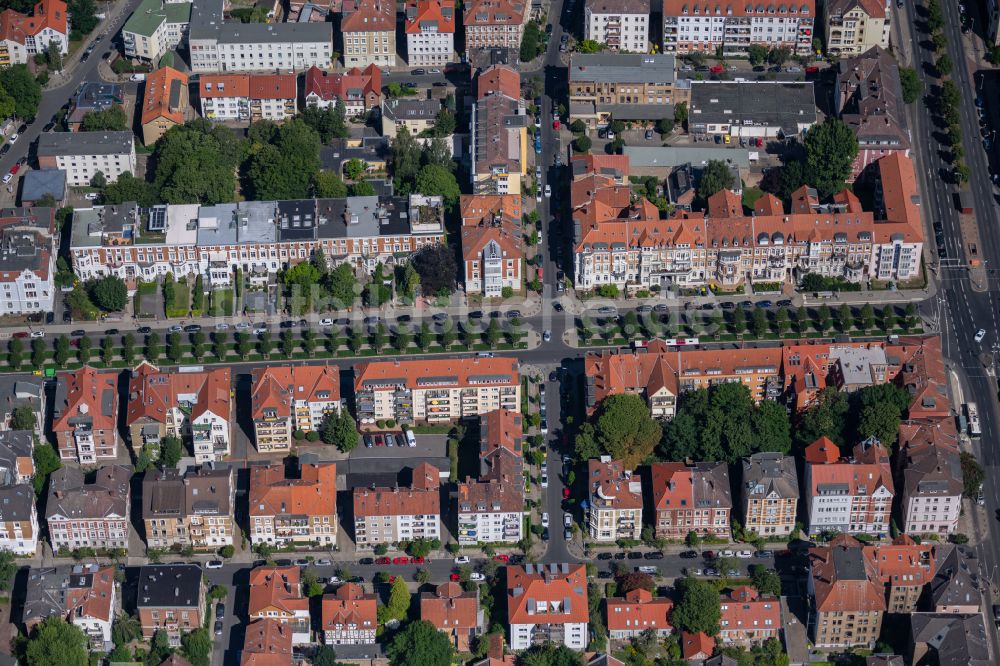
(349, 605)
(277, 387)
(18, 27)
(494, 12)
(528, 586)
(450, 608)
(857, 588)
(152, 393)
(822, 452)
(499, 80)
(868, 471)
(439, 13)
(156, 98)
(368, 16)
(422, 498)
(428, 373)
(93, 601)
(276, 588)
(611, 486)
(743, 609)
(268, 642)
(904, 562)
(639, 611)
(330, 86)
(212, 86)
(699, 645)
(313, 494)
(89, 392)
(273, 86)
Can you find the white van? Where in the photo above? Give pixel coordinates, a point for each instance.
(411, 439)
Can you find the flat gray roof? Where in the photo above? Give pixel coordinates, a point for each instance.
(84, 143)
(256, 222)
(671, 156)
(39, 182)
(762, 103)
(217, 225)
(623, 68)
(275, 33)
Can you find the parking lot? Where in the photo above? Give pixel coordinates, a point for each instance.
(428, 446)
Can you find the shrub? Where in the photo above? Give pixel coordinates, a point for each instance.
(299, 435)
(312, 436)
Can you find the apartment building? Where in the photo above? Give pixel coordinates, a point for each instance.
(547, 603)
(855, 26)
(621, 26)
(89, 515)
(931, 474)
(17, 464)
(623, 242)
(156, 27)
(385, 515)
(957, 586)
(660, 374)
(84, 154)
(195, 407)
(85, 595)
(350, 616)
(494, 23)
(368, 28)
(414, 115)
(949, 639)
(171, 598)
(27, 260)
(289, 511)
(435, 390)
(267, 642)
(165, 103)
(869, 98)
(194, 509)
(701, 27)
(220, 46)
(85, 415)
(92, 97)
(848, 596)
(770, 494)
(615, 501)
(905, 568)
(276, 593)
(26, 393)
(247, 97)
(454, 612)
(499, 127)
(289, 398)
(751, 109)
(491, 509)
(691, 498)
(18, 516)
(430, 32)
(257, 237)
(848, 494)
(748, 617)
(359, 90)
(602, 86)
(637, 612)
(22, 37)
(492, 243)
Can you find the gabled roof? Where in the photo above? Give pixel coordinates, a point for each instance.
(276, 589)
(80, 590)
(611, 486)
(153, 393)
(202, 491)
(268, 642)
(314, 493)
(368, 16)
(873, 8)
(862, 475)
(431, 15)
(639, 610)
(170, 586)
(744, 609)
(353, 84)
(421, 498)
(561, 587)
(18, 27)
(494, 12)
(490, 219)
(767, 474)
(703, 485)
(87, 397)
(432, 373)
(954, 639)
(845, 577)
(694, 646)
(278, 388)
(273, 86)
(71, 498)
(450, 608)
(163, 96)
(349, 605)
(904, 562)
(499, 80)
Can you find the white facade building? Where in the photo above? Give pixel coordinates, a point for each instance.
(622, 25)
(547, 603)
(155, 28)
(430, 32)
(699, 26)
(83, 154)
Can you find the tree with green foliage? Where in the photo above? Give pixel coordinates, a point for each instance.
(107, 350)
(759, 325)
(15, 351)
(175, 350)
(362, 189)
(757, 54)
(420, 644)
(827, 417)
(109, 293)
(171, 451)
(549, 655)
(220, 345)
(623, 429)
(531, 42)
(57, 643)
(399, 600)
(285, 167)
(582, 143)
(111, 119)
(61, 351)
(325, 656)
(342, 286)
(437, 180)
(327, 184)
(765, 579)
(197, 647)
(46, 461)
(129, 188)
(404, 161)
(83, 349)
(911, 84)
(152, 347)
(830, 149)
(589, 46)
(435, 264)
(698, 607)
(972, 474)
(339, 429)
(438, 153)
(23, 418)
(329, 123)
(300, 282)
(22, 86)
(444, 123)
(196, 163)
(354, 168)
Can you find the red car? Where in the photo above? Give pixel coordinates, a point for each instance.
(417, 560)
(455, 578)
(717, 69)
(15, 168)
(383, 560)
(401, 560)
(392, 579)
(379, 440)
(21, 334)
(555, 124)
(812, 69)
(501, 558)
(565, 493)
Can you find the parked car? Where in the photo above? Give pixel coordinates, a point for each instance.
(501, 558)
(390, 439)
(383, 560)
(744, 554)
(476, 576)
(648, 570)
(653, 555)
(462, 559)
(192, 328)
(214, 564)
(366, 561)
(604, 556)
(689, 554)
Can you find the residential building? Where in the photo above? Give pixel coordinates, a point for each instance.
(947, 639)
(368, 28)
(85, 595)
(413, 115)
(17, 464)
(435, 390)
(156, 27)
(697, 647)
(748, 617)
(957, 586)
(492, 243)
(615, 511)
(27, 260)
(194, 509)
(18, 516)
(248, 97)
(89, 515)
(659, 375)
(220, 46)
(23, 37)
(455, 612)
(389, 515)
(905, 568)
(855, 26)
(494, 23)
(691, 498)
(292, 511)
(276, 593)
(638, 611)
(289, 398)
(848, 596)
(851, 495)
(499, 127)
(547, 603)
(92, 97)
(751, 109)
(171, 598)
(869, 98)
(85, 415)
(267, 642)
(603, 85)
(83, 154)
(359, 90)
(350, 616)
(195, 407)
(770, 494)
(40, 186)
(257, 237)
(931, 493)
(699, 27)
(623, 241)
(491, 509)
(165, 103)
(616, 167)
(430, 32)
(621, 25)
(27, 393)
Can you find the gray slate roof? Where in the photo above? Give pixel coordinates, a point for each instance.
(38, 183)
(17, 503)
(623, 68)
(763, 103)
(956, 640)
(767, 473)
(72, 497)
(956, 581)
(84, 143)
(169, 586)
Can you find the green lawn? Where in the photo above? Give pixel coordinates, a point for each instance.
(221, 302)
(182, 301)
